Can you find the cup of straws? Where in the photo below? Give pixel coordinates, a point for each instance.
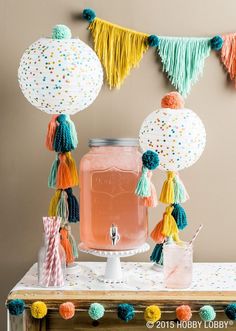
(178, 263)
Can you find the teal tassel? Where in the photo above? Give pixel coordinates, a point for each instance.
(73, 244)
(180, 216)
(183, 60)
(52, 178)
(180, 192)
(74, 137)
(157, 254)
(143, 188)
(73, 206)
(62, 140)
(62, 208)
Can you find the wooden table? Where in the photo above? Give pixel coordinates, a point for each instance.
(213, 284)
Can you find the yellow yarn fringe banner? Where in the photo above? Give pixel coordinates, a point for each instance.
(119, 49)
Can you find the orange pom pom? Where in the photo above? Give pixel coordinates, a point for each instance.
(156, 233)
(172, 100)
(183, 313)
(67, 310)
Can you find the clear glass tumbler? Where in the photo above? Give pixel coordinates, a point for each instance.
(112, 217)
(178, 265)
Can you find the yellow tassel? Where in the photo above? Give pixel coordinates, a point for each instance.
(169, 225)
(119, 49)
(167, 192)
(73, 170)
(52, 211)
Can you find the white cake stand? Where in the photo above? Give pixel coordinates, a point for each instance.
(113, 272)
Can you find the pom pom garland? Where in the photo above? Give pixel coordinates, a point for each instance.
(61, 31)
(230, 311)
(150, 160)
(67, 310)
(183, 313)
(152, 314)
(96, 311)
(38, 309)
(207, 313)
(172, 100)
(153, 40)
(89, 15)
(217, 43)
(16, 307)
(125, 312)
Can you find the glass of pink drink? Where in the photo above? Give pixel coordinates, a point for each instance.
(112, 217)
(178, 264)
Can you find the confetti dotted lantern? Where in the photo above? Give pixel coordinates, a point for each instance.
(59, 74)
(176, 134)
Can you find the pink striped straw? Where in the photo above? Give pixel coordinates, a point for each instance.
(196, 234)
(52, 270)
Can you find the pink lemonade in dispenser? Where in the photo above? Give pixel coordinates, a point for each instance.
(112, 217)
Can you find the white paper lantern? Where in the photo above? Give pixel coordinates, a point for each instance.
(177, 135)
(60, 75)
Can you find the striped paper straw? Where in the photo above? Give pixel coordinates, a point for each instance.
(196, 234)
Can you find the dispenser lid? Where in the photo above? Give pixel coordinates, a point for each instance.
(125, 142)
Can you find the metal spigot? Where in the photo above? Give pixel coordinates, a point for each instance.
(114, 234)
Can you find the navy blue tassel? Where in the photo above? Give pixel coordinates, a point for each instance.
(157, 253)
(63, 140)
(73, 206)
(180, 216)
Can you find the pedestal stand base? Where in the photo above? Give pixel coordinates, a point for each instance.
(113, 272)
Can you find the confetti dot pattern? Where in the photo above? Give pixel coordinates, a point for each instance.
(60, 76)
(177, 135)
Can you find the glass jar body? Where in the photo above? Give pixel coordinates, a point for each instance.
(112, 217)
(51, 269)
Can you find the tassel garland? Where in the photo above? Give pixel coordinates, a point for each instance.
(67, 246)
(183, 60)
(157, 254)
(73, 133)
(167, 193)
(169, 225)
(73, 206)
(180, 216)
(228, 55)
(145, 188)
(52, 178)
(73, 170)
(62, 208)
(73, 243)
(180, 192)
(64, 179)
(52, 125)
(156, 233)
(52, 211)
(62, 140)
